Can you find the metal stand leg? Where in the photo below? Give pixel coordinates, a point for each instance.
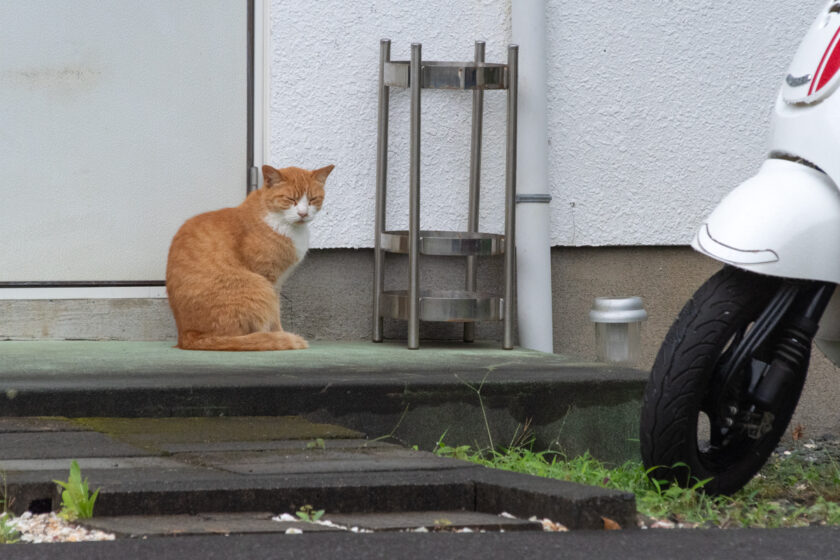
(510, 193)
(381, 182)
(475, 180)
(466, 305)
(414, 203)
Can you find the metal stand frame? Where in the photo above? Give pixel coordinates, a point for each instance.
(467, 306)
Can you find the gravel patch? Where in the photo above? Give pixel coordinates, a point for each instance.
(824, 450)
(50, 528)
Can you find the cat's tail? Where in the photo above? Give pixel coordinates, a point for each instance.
(277, 340)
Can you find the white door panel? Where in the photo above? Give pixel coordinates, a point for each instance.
(118, 121)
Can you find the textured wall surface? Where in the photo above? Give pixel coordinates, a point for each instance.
(656, 109)
(324, 107)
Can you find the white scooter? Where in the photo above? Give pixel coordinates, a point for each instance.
(730, 371)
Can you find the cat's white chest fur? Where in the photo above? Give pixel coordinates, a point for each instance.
(297, 233)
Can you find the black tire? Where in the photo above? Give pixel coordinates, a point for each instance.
(682, 386)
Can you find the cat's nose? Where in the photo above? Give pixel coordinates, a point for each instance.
(303, 213)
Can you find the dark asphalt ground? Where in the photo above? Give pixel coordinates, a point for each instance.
(766, 544)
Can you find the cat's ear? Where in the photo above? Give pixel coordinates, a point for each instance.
(272, 177)
(321, 175)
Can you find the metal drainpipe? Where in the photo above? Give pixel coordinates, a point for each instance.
(533, 244)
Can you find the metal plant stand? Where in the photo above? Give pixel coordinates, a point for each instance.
(468, 305)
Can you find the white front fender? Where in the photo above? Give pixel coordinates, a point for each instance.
(785, 221)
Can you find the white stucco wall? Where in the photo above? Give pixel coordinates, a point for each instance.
(656, 109)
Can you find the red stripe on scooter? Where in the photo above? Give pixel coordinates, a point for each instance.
(822, 61)
(830, 68)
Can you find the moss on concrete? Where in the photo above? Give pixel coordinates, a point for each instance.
(151, 433)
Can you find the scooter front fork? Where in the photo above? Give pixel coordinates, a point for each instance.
(772, 354)
(792, 345)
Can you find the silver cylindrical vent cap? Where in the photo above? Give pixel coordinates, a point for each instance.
(618, 310)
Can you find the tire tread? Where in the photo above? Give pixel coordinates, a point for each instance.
(683, 368)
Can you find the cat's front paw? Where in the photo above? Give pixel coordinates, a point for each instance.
(297, 342)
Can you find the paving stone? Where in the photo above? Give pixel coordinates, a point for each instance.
(346, 476)
(129, 474)
(201, 524)
(31, 424)
(156, 433)
(574, 505)
(385, 491)
(192, 430)
(55, 445)
(317, 461)
(432, 521)
(331, 444)
(23, 487)
(87, 464)
(227, 523)
(247, 522)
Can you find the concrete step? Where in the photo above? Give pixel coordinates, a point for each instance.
(191, 466)
(475, 394)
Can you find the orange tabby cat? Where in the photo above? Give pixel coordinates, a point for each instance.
(224, 267)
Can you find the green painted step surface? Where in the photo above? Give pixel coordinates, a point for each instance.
(111, 357)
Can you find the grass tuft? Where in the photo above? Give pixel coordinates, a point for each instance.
(76, 500)
(8, 533)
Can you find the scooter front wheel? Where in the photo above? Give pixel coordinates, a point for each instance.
(699, 424)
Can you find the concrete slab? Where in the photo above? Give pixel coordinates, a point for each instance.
(472, 488)
(88, 464)
(336, 492)
(29, 424)
(322, 461)
(135, 360)
(573, 505)
(180, 408)
(433, 521)
(55, 445)
(161, 433)
(331, 444)
(33, 489)
(201, 524)
(475, 394)
(129, 475)
(341, 476)
(247, 523)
